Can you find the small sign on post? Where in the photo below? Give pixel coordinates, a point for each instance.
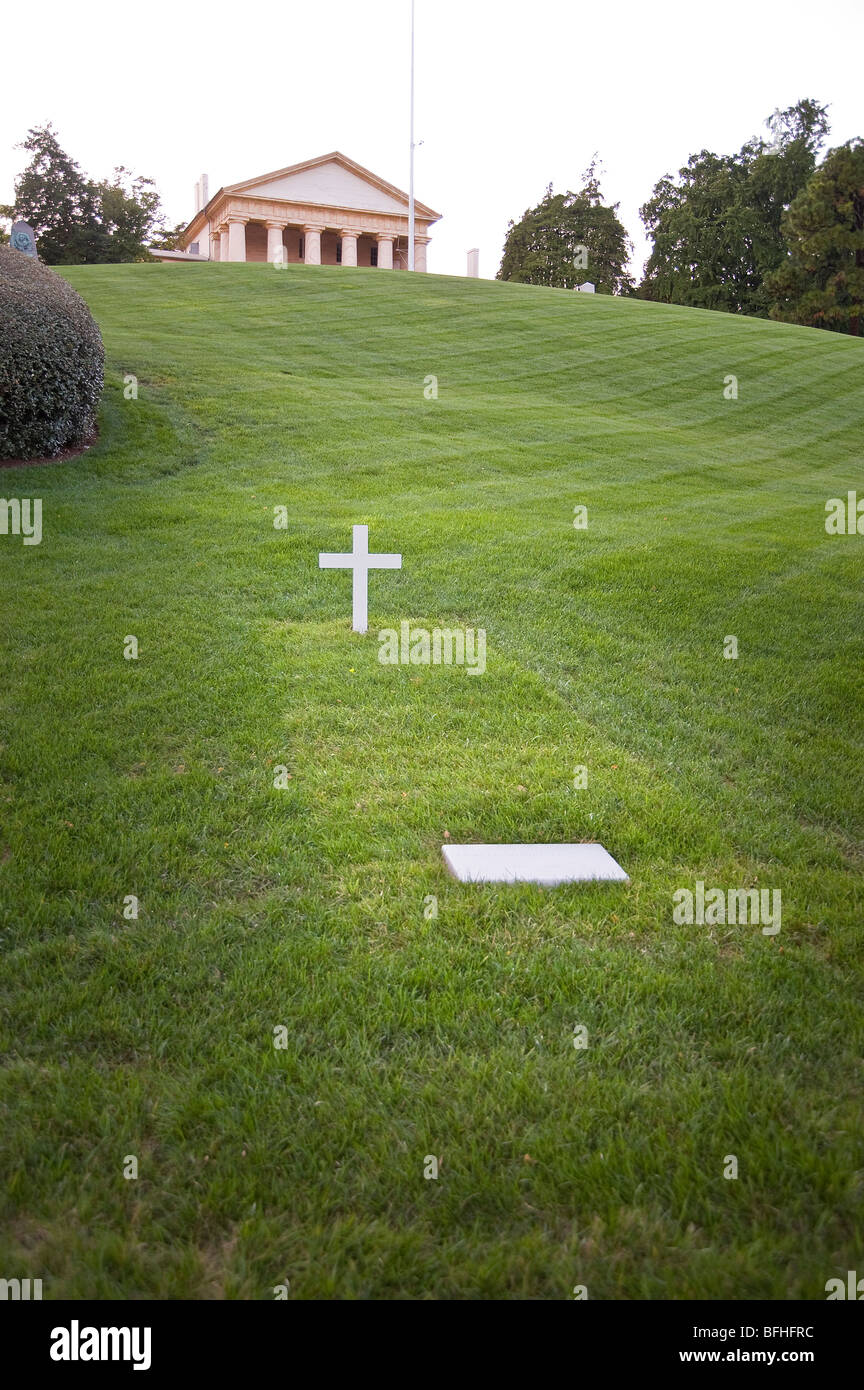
(23, 238)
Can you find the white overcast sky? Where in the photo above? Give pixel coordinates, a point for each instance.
(509, 96)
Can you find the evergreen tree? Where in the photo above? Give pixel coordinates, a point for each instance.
(58, 202)
(567, 239)
(821, 283)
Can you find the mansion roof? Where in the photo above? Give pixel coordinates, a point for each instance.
(330, 188)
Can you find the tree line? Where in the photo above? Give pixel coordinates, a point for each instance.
(81, 221)
(770, 231)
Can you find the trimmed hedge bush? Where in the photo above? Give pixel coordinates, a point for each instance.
(51, 361)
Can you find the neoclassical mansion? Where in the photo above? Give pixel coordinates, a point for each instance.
(326, 211)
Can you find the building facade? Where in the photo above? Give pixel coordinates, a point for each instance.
(326, 211)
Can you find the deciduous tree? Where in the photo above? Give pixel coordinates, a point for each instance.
(717, 230)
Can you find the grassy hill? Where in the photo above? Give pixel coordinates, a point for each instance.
(307, 908)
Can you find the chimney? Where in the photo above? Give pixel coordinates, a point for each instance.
(197, 197)
(474, 263)
(205, 190)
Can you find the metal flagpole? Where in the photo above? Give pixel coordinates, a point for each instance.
(411, 170)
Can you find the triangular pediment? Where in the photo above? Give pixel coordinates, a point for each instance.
(332, 180)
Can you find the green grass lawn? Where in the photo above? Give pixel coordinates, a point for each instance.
(305, 907)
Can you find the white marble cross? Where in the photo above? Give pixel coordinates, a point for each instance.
(361, 562)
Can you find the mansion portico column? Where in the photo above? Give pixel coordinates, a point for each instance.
(385, 251)
(237, 238)
(275, 248)
(420, 244)
(349, 246)
(312, 244)
(222, 238)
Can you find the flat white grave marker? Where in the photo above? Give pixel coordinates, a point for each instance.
(547, 865)
(361, 562)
